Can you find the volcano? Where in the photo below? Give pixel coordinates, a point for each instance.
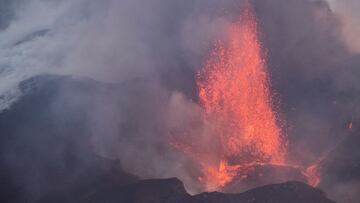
(179, 101)
(93, 178)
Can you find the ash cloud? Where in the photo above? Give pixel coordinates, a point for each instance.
(154, 48)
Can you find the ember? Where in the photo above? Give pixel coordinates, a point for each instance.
(234, 91)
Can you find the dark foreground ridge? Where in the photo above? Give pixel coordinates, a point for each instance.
(172, 191)
(46, 156)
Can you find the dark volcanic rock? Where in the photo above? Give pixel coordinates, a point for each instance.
(44, 143)
(263, 175)
(157, 190)
(294, 192)
(172, 191)
(46, 156)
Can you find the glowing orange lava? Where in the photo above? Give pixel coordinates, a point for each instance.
(312, 175)
(240, 127)
(234, 91)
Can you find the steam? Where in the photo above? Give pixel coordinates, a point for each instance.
(153, 49)
(350, 18)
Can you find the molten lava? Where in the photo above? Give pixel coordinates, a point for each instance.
(241, 127)
(312, 175)
(234, 91)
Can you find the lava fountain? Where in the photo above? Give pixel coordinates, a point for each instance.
(243, 129)
(234, 90)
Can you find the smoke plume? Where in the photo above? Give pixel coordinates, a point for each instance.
(149, 53)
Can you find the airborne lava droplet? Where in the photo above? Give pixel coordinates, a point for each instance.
(350, 126)
(242, 129)
(234, 89)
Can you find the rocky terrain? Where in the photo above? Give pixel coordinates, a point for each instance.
(44, 157)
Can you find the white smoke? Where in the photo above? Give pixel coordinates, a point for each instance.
(348, 10)
(32, 44)
(111, 40)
